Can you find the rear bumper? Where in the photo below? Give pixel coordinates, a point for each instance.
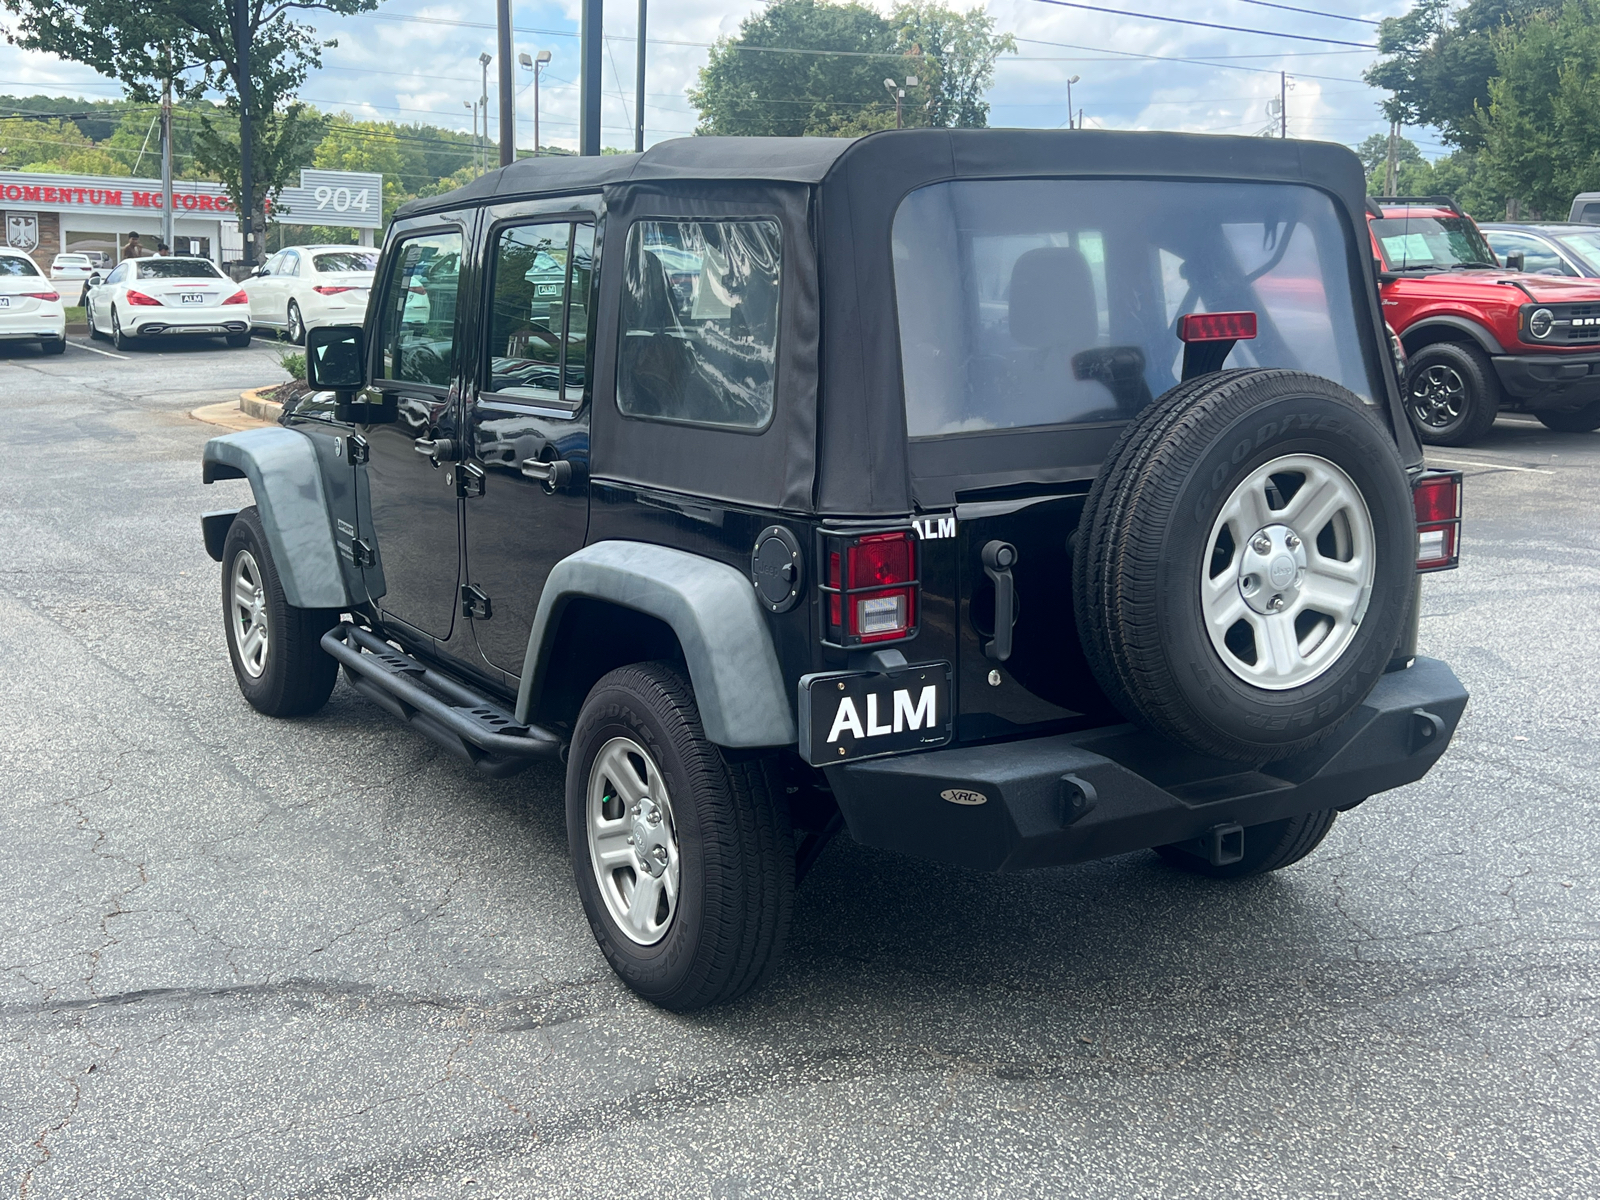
(187, 325)
(1550, 380)
(1141, 789)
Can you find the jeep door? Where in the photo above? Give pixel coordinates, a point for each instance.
(527, 475)
(410, 508)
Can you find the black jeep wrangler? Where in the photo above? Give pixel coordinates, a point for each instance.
(1005, 498)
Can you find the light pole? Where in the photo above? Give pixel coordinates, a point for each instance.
(638, 84)
(485, 59)
(899, 94)
(1072, 79)
(534, 64)
(473, 105)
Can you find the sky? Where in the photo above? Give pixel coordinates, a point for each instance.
(418, 61)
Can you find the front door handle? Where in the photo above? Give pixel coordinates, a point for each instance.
(553, 475)
(438, 449)
(998, 559)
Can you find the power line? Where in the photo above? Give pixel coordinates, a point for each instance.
(1122, 12)
(1311, 12)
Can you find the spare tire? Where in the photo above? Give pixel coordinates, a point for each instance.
(1245, 562)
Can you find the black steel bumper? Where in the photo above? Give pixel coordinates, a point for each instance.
(1081, 796)
(1550, 380)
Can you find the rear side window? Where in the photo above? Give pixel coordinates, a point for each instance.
(17, 265)
(1028, 303)
(539, 311)
(417, 337)
(700, 322)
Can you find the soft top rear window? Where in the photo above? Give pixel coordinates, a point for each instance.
(177, 268)
(1028, 303)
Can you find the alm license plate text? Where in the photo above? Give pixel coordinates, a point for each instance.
(192, 298)
(850, 715)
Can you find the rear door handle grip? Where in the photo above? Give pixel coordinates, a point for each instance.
(998, 559)
(553, 475)
(438, 449)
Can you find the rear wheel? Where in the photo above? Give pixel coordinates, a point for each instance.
(1573, 420)
(54, 345)
(120, 340)
(1268, 847)
(1245, 561)
(683, 858)
(239, 340)
(275, 648)
(1452, 394)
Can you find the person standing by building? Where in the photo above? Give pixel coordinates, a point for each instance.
(131, 248)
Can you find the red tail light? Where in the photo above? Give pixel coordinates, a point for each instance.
(41, 295)
(140, 298)
(1217, 327)
(1436, 496)
(326, 290)
(237, 298)
(871, 588)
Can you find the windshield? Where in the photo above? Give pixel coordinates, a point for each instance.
(346, 260)
(176, 268)
(1432, 242)
(17, 265)
(1032, 303)
(1585, 246)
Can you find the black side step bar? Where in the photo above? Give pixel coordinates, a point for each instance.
(463, 722)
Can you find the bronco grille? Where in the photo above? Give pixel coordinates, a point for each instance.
(1574, 324)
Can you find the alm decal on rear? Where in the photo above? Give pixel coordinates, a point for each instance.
(907, 716)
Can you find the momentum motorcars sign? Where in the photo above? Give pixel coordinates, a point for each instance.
(76, 193)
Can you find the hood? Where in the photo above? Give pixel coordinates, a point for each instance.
(1541, 289)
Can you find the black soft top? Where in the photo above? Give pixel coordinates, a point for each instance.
(838, 444)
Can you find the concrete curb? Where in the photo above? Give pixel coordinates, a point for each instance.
(253, 403)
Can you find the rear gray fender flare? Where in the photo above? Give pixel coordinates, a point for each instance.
(281, 466)
(712, 608)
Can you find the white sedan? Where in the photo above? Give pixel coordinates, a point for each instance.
(71, 268)
(30, 307)
(151, 297)
(302, 287)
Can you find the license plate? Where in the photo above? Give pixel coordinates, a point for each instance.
(851, 715)
(5, 301)
(191, 298)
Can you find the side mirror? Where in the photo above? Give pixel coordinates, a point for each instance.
(1516, 261)
(95, 280)
(336, 358)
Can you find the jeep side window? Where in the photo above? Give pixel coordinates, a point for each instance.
(700, 322)
(539, 311)
(417, 334)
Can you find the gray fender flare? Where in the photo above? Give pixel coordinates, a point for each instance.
(281, 466)
(1480, 336)
(712, 608)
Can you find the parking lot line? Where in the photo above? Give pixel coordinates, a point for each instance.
(96, 350)
(1498, 466)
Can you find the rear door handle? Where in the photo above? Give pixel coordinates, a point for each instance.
(998, 559)
(553, 475)
(438, 449)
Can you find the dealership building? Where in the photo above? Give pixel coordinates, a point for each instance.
(87, 214)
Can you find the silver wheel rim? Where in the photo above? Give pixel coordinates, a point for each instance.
(296, 329)
(1439, 396)
(247, 614)
(1288, 572)
(633, 841)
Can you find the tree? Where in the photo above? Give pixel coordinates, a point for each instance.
(1374, 156)
(1438, 64)
(191, 43)
(1541, 130)
(755, 85)
(51, 144)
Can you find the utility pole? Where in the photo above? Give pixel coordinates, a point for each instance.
(590, 31)
(638, 85)
(484, 60)
(508, 111)
(1071, 79)
(166, 159)
(531, 63)
(1391, 170)
(241, 34)
(1283, 104)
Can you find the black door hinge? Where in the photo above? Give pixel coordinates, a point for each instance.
(475, 603)
(359, 450)
(361, 553)
(470, 480)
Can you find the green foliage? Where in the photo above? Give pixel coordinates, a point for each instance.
(1541, 132)
(294, 362)
(1438, 63)
(748, 89)
(48, 144)
(1460, 176)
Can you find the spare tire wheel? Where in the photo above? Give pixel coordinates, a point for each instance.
(1245, 561)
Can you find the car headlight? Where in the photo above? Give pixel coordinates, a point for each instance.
(1541, 322)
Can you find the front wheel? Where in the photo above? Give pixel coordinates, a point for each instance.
(1268, 847)
(1573, 420)
(297, 326)
(684, 859)
(276, 649)
(1452, 394)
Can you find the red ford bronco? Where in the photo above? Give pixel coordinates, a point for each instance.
(1480, 337)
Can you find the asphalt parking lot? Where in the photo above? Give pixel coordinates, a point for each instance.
(323, 959)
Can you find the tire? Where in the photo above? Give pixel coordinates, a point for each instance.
(1573, 420)
(290, 676)
(1268, 847)
(120, 340)
(296, 329)
(94, 330)
(54, 345)
(1452, 394)
(238, 341)
(723, 830)
(1177, 611)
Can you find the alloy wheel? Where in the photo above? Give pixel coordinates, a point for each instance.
(1288, 572)
(248, 609)
(1438, 396)
(633, 840)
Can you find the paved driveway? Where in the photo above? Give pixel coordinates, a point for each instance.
(244, 957)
